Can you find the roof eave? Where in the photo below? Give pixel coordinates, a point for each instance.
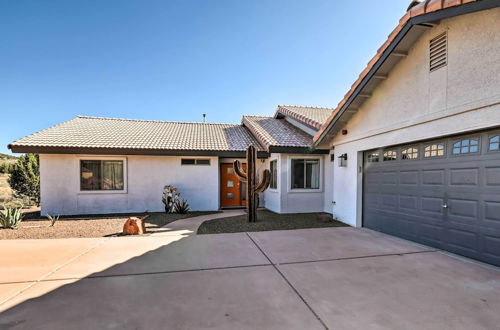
(131, 151)
(430, 17)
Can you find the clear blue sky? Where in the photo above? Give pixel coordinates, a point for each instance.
(174, 60)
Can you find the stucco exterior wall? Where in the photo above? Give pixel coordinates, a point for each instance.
(287, 200)
(272, 197)
(145, 178)
(415, 104)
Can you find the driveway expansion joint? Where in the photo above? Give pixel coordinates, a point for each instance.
(289, 283)
(360, 257)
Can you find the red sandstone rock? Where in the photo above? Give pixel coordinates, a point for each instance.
(134, 226)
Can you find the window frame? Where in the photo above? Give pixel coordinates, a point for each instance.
(195, 161)
(306, 190)
(275, 181)
(463, 138)
(368, 159)
(488, 142)
(387, 151)
(425, 145)
(102, 158)
(404, 148)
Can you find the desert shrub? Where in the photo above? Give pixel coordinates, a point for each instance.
(182, 206)
(25, 177)
(10, 217)
(5, 168)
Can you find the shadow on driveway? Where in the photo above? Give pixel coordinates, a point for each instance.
(319, 278)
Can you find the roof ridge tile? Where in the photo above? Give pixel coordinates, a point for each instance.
(152, 120)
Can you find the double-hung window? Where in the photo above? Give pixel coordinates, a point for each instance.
(101, 175)
(305, 173)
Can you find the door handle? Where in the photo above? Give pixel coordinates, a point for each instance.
(444, 206)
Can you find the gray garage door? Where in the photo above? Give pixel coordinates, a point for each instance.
(443, 193)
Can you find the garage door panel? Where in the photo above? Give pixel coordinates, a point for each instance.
(372, 178)
(492, 211)
(390, 178)
(408, 203)
(451, 202)
(492, 177)
(464, 177)
(430, 234)
(433, 177)
(408, 178)
(432, 206)
(491, 248)
(462, 209)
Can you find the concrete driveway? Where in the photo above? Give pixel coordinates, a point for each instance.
(329, 278)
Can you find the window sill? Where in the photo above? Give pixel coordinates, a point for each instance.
(304, 190)
(102, 192)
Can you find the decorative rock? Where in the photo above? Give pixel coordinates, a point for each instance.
(134, 226)
(324, 217)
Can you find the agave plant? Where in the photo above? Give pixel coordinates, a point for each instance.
(52, 220)
(182, 206)
(11, 217)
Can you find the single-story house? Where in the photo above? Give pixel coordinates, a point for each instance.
(91, 165)
(412, 150)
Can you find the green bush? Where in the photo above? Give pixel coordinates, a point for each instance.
(11, 217)
(25, 177)
(5, 168)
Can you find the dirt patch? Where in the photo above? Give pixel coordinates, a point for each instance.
(69, 227)
(267, 220)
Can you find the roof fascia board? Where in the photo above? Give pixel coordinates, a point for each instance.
(297, 150)
(467, 8)
(298, 120)
(129, 151)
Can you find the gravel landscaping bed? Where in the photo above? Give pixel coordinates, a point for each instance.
(85, 226)
(266, 220)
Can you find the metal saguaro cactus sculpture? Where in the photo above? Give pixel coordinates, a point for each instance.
(253, 188)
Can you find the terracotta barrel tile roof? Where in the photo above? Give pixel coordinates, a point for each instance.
(312, 116)
(423, 7)
(96, 132)
(273, 132)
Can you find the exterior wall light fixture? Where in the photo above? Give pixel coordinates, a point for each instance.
(343, 160)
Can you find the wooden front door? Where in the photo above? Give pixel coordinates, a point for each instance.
(231, 188)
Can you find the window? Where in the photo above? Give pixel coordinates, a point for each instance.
(434, 150)
(192, 161)
(495, 143)
(274, 174)
(372, 157)
(305, 173)
(437, 52)
(101, 175)
(390, 155)
(409, 153)
(466, 146)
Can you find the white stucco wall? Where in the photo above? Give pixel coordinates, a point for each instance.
(145, 178)
(287, 200)
(271, 196)
(415, 104)
(328, 184)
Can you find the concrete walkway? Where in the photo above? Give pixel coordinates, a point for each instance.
(190, 226)
(328, 278)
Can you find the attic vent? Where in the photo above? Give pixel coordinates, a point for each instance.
(438, 48)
